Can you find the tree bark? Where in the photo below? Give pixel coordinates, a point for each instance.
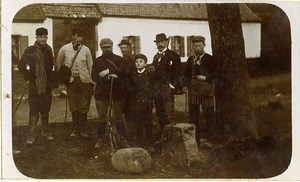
(235, 113)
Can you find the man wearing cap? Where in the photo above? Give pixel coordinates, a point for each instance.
(129, 67)
(39, 58)
(80, 87)
(200, 74)
(167, 80)
(106, 67)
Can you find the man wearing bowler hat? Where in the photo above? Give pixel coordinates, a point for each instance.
(106, 67)
(80, 87)
(39, 58)
(200, 76)
(167, 80)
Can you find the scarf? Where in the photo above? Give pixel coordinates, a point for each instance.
(41, 79)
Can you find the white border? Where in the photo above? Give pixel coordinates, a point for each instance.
(9, 9)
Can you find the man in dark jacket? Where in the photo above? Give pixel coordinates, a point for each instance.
(106, 67)
(200, 74)
(39, 58)
(167, 80)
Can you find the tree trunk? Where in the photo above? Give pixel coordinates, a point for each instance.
(235, 113)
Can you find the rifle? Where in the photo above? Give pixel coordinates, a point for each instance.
(111, 130)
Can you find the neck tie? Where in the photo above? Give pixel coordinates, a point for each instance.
(197, 60)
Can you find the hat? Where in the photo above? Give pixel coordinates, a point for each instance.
(141, 56)
(124, 42)
(106, 42)
(41, 31)
(198, 39)
(160, 37)
(77, 31)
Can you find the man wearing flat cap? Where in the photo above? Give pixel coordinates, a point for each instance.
(200, 75)
(39, 58)
(129, 67)
(167, 80)
(78, 58)
(106, 67)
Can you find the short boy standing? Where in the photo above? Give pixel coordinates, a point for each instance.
(141, 84)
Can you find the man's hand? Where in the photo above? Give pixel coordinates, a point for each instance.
(104, 72)
(151, 68)
(200, 77)
(112, 76)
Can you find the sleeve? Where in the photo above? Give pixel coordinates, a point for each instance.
(212, 69)
(22, 64)
(176, 73)
(96, 71)
(60, 58)
(89, 61)
(188, 72)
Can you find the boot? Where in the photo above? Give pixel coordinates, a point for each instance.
(33, 120)
(121, 131)
(75, 119)
(45, 123)
(101, 134)
(83, 125)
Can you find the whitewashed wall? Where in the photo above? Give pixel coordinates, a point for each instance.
(116, 28)
(28, 29)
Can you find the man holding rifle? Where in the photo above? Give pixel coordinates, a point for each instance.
(107, 67)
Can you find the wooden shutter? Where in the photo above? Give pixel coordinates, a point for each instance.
(23, 44)
(182, 53)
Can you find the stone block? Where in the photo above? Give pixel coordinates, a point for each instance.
(179, 147)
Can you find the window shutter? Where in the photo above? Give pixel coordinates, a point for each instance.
(182, 53)
(137, 44)
(23, 44)
(172, 40)
(189, 47)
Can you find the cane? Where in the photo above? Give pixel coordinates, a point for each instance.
(111, 131)
(22, 95)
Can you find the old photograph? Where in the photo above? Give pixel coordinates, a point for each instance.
(151, 90)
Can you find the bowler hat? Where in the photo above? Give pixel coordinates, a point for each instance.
(77, 31)
(124, 42)
(41, 31)
(141, 56)
(106, 42)
(160, 37)
(198, 39)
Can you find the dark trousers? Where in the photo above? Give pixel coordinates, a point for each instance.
(142, 122)
(164, 104)
(209, 114)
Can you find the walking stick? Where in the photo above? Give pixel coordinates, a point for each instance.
(19, 103)
(111, 131)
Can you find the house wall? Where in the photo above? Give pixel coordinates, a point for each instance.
(28, 29)
(116, 28)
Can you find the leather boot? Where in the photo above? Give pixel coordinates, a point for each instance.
(83, 125)
(33, 120)
(75, 120)
(101, 134)
(121, 131)
(45, 123)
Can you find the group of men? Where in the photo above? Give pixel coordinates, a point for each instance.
(134, 89)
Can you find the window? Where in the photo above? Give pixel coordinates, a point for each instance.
(190, 50)
(177, 45)
(18, 45)
(135, 44)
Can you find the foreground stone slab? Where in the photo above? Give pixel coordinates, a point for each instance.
(179, 147)
(131, 160)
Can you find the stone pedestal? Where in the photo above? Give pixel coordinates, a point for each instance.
(179, 147)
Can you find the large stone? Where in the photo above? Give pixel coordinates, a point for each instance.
(179, 147)
(131, 160)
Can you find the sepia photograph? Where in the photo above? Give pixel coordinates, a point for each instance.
(157, 90)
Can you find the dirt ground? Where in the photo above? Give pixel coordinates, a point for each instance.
(76, 158)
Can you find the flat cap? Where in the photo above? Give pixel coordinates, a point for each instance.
(141, 56)
(160, 37)
(106, 42)
(77, 31)
(41, 31)
(124, 42)
(198, 39)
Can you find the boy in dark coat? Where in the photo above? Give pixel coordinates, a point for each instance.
(141, 87)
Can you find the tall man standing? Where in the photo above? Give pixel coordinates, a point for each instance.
(39, 58)
(200, 75)
(80, 86)
(109, 66)
(129, 67)
(167, 80)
